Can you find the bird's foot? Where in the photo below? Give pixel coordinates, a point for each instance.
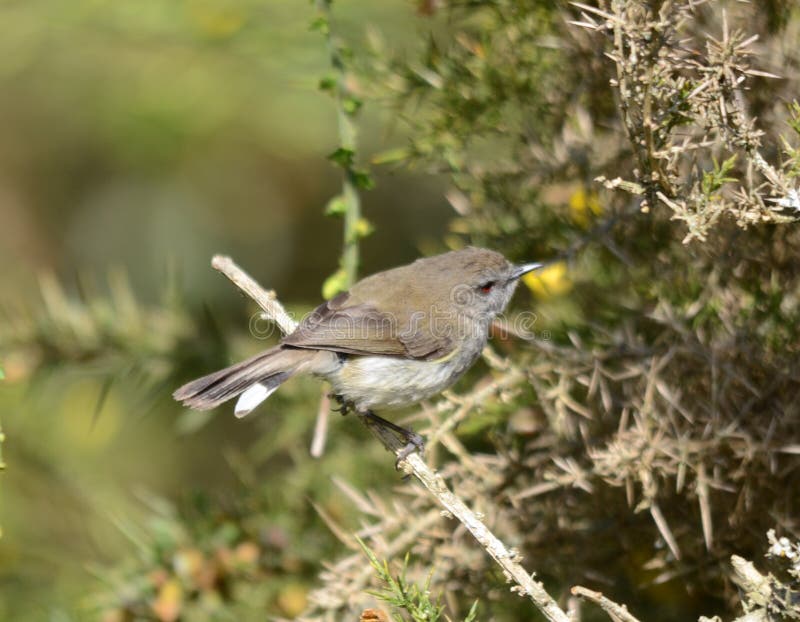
(345, 406)
(415, 443)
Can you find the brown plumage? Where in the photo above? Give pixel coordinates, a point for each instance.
(392, 312)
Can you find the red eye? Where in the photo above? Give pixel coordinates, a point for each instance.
(487, 287)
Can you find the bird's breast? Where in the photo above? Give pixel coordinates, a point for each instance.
(391, 382)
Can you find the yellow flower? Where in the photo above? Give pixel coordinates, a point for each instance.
(584, 206)
(550, 281)
(169, 602)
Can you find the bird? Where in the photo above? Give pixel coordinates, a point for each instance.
(393, 339)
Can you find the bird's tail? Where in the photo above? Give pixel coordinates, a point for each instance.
(255, 379)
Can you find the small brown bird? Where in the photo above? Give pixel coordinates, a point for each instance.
(397, 337)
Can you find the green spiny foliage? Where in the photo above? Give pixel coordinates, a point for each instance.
(415, 600)
(346, 205)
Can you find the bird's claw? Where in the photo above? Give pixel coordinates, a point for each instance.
(344, 406)
(415, 443)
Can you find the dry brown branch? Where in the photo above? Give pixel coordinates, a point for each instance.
(414, 464)
(266, 299)
(615, 611)
(321, 426)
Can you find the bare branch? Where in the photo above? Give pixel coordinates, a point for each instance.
(266, 299)
(615, 611)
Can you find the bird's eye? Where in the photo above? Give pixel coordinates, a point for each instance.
(487, 287)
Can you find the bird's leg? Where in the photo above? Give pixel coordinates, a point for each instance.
(344, 406)
(383, 428)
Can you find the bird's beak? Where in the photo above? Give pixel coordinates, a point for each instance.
(524, 269)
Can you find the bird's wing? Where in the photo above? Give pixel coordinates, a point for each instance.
(348, 325)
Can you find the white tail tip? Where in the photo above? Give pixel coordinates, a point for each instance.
(251, 398)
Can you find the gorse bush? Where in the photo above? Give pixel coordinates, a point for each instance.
(652, 147)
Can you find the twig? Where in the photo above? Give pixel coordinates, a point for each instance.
(321, 426)
(266, 299)
(415, 465)
(756, 587)
(615, 611)
(467, 406)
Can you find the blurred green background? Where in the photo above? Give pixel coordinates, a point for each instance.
(138, 139)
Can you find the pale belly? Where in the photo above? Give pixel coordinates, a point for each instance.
(387, 382)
